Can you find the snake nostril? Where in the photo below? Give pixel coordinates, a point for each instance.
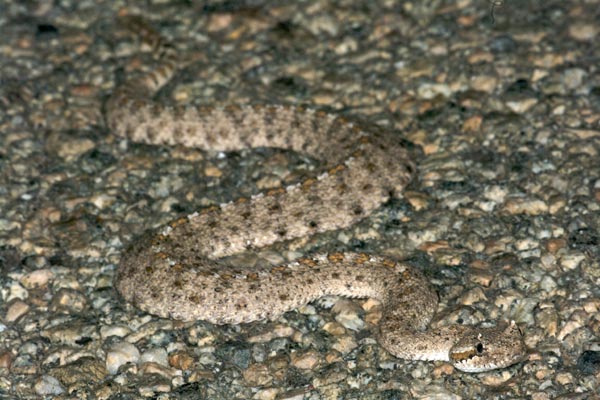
(479, 348)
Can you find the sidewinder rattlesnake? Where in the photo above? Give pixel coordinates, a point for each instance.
(176, 271)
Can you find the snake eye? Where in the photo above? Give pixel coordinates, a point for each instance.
(479, 348)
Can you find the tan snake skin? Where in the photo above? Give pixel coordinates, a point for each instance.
(176, 271)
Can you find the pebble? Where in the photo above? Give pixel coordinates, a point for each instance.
(70, 333)
(336, 373)
(37, 278)
(481, 277)
(548, 284)
(16, 310)
(181, 360)
(430, 90)
(348, 314)
(6, 358)
(554, 245)
(154, 384)
(119, 354)
(345, 344)
(305, 360)
(107, 331)
(47, 385)
(484, 83)
(297, 394)
(323, 24)
(156, 355)
(419, 201)
(495, 379)
(472, 124)
(584, 32)
(150, 367)
(16, 291)
(503, 44)
(257, 375)
(589, 362)
(564, 378)
(592, 306)
(548, 320)
(575, 322)
(432, 391)
(149, 329)
(102, 201)
(473, 296)
(68, 300)
(80, 372)
(540, 396)
(521, 106)
(443, 370)
(267, 394)
(573, 78)
(213, 172)
(584, 133)
(523, 205)
(278, 331)
(334, 328)
(571, 261)
(240, 356)
(69, 147)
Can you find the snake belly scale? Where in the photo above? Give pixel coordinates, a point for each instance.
(177, 271)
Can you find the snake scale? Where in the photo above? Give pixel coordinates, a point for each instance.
(177, 271)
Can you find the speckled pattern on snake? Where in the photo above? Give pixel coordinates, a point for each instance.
(177, 272)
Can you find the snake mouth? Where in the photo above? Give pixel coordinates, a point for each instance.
(471, 364)
(469, 360)
(463, 356)
(475, 364)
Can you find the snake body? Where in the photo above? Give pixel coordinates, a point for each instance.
(177, 271)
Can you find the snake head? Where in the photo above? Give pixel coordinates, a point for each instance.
(486, 349)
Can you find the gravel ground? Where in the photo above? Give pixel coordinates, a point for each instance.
(503, 100)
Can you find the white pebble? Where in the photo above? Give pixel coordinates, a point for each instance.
(521, 106)
(114, 330)
(548, 284)
(16, 291)
(571, 261)
(119, 354)
(348, 314)
(430, 90)
(157, 355)
(47, 385)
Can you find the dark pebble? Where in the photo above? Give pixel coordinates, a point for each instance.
(46, 31)
(502, 44)
(589, 362)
